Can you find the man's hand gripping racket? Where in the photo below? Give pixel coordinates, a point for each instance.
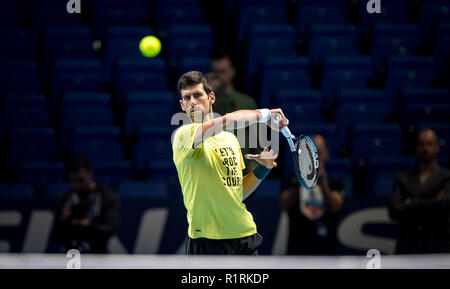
(304, 154)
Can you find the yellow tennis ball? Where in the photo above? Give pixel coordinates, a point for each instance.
(150, 46)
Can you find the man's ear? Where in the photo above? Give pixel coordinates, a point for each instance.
(212, 97)
(182, 105)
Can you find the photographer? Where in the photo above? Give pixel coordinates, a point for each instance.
(88, 214)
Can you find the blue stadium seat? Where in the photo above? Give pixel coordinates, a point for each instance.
(109, 13)
(397, 79)
(152, 144)
(383, 186)
(349, 113)
(393, 39)
(148, 108)
(143, 190)
(202, 64)
(442, 54)
(391, 13)
(339, 166)
(346, 62)
(63, 43)
(189, 32)
(97, 143)
(334, 79)
(363, 96)
(387, 166)
(258, 14)
(432, 14)
(76, 75)
(376, 139)
(141, 65)
(30, 144)
(413, 94)
(319, 13)
(269, 189)
(111, 173)
(39, 173)
(286, 72)
(411, 62)
(423, 112)
(442, 130)
(304, 112)
(265, 40)
(44, 17)
(18, 47)
(319, 47)
(19, 76)
(56, 190)
(131, 82)
(84, 109)
(293, 96)
(161, 169)
(341, 170)
(394, 30)
(23, 110)
(123, 42)
(177, 12)
(344, 30)
(178, 49)
(16, 192)
(189, 41)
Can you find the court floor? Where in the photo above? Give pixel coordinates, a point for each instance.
(60, 261)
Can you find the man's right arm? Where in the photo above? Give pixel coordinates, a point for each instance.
(237, 119)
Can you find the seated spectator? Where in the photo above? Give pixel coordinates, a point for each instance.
(420, 201)
(88, 214)
(228, 99)
(313, 214)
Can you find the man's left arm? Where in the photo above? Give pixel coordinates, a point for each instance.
(266, 161)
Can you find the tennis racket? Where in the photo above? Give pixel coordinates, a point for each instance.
(304, 154)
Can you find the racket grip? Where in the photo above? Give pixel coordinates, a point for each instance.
(285, 131)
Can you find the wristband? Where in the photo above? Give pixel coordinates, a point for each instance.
(261, 171)
(265, 115)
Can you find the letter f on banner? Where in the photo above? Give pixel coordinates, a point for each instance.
(373, 6)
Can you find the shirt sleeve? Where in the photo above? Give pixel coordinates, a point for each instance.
(183, 141)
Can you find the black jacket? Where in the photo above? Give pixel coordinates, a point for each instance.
(101, 207)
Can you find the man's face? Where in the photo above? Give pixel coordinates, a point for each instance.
(427, 146)
(81, 179)
(223, 71)
(196, 103)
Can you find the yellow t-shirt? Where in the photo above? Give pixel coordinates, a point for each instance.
(211, 182)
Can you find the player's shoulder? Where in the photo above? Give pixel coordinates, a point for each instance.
(185, 128)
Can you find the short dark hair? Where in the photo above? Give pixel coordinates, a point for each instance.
(77, 163)
(192, 78)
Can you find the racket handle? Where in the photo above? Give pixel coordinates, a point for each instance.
(285, 131)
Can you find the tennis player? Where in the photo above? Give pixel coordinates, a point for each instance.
(210, 168)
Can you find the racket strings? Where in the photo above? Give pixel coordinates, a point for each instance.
(306, 162)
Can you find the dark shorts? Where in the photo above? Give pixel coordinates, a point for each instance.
(240, 246)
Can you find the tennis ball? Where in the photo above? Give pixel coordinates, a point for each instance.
(150, 46)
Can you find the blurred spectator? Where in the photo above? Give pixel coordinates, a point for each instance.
(420, 201)
(228, 99)
(313, 214)
(88, 214)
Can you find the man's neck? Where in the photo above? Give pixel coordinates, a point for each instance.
(426, 167)
(229, 89)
